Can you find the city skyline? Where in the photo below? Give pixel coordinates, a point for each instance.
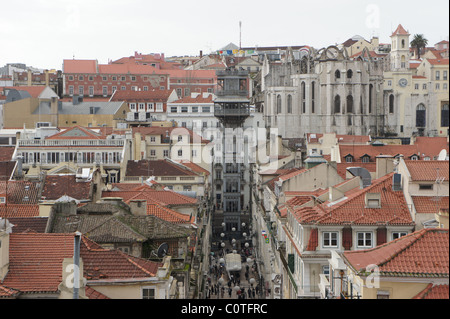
(43, 33)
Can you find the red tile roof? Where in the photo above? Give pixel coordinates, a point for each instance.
(20, 192)
(428, 170)
(430, 204)
(438, 61)
(299, 200)
(141, 96)
(129, 69)
(357, 151)
(423, 253)
(194, 167)
(164, 198)
(433, 291)
(342, 167)
(6, 292)
(19, 211)
(352, 210)
(400, 31)
(35, 263)
(198, 99)
(284, 177)
(94, 294)
(56, 186)
(431, 146)
(76, 133)
(34, 90)
(156, 168)
(162, 131)
(27, 224)
(168, 214)
(80, 66)
(6, 153)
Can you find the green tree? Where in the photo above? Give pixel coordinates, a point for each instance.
(419, 42)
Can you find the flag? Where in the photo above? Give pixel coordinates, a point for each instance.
(235, 51)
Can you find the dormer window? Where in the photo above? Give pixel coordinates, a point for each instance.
(414, 158)
(365, 158)
(349, 159)
(373, 200)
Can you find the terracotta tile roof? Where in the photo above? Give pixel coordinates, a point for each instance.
(76, 133)
(36, 262)
(434, 291)
(423, 253)
(400, 31)
(357, 151)
(164, 197)
(428, 170)
(141, 96)
(438, 61)
(299, 200)
(129, 68)
(430, 204)
(156, 168)
(194, 167)
(80, 66)
(19, 211)
(6, 169)
(6, 153)
(34, 90)
(6, 292)
(431, 146)
(21, 192)
(55, 186)
(198, 99)
(284, 177)
(26, 224)
(168, 214)
(94, 294)
(353, 210)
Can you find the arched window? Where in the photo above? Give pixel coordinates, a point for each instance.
(303, 97)
(278, 104)
(444, 115)
(337, 104)
(421, 115)
(391, 103)
(403, 62)
(337, 74)
(370, 98)
(289, 104)
(403, 43)
(349, 74)
(349, 104)
(361, 105)
(313, 94)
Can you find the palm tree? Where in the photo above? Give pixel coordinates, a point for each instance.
(419, 42)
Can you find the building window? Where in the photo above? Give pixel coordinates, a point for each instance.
(166, 153)
(337, 74)
(330, 239)
(289, 104)
(91, 91)
(444, 76)
(152, 152)
(438, 86)
(424, 86)
(438, 75)
(391, 103)
(195, 109)
(427, 187)
(187, 92)
(70, 77)
(365, 159)
(349, 74)
(381, 294)
(180, 138)
(180, 153)
(349, 104)
(303, 97)
(370, 98)
(278, 104)
(187, 188)
(173, 109)
(444, 115)
(150, 107)
(153, 139)
(389, 83)
(80, 78)
(396, 235)
(416, 86)
(349, 159)
(313, 93)
(114, 89)
(206, 109)
(145, 88)
(105, 91)
(133, 107)
(337, 104)
(184, 109)
(70, 90)
(141, 106)
(159, 107)
(148, 293)
(364, 239)
(420, 116)
(123, 88)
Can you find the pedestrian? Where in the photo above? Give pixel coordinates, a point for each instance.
(253, 293)
(249, 292)
(222, 291)
(230, 291)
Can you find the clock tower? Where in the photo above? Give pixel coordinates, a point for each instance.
(400, 49)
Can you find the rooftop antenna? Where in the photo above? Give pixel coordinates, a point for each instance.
(240, 33)
(162, 250)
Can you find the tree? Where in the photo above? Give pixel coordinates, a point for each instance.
(419, 42)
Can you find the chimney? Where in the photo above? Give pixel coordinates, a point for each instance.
(20, 166)
(138, 207)
(54, 110)
(47, 81)
(385, 165)
(201, 54)
(29, 77)
(4, 253)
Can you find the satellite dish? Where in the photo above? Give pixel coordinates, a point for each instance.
(162, 250)
(442, 155)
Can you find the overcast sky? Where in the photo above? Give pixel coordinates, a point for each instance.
(42, 33)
